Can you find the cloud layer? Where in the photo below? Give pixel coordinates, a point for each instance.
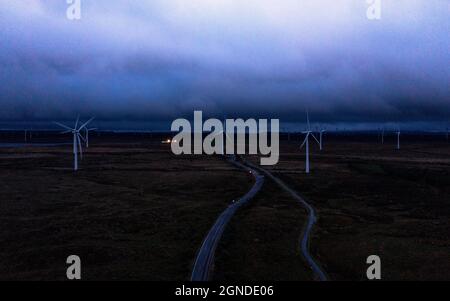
(161, 59)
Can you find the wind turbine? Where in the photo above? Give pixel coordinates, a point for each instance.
(306, 142)
(224, 142)
(398, 138)
(86, 135)
(287, 132)
(225, 139)
(382, 135)
(77, 137)
(322, 132)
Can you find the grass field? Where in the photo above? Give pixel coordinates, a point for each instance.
(130, 213)
(373, 199)
(136, 212)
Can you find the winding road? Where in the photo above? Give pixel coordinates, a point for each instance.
(319, 273)
(205, 258)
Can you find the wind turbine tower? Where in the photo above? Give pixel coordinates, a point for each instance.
(77, 137)
(305, 144)
(322, 132)
(86, 135)
(224, 137)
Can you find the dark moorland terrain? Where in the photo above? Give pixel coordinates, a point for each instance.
(372, 199)
(134, 211)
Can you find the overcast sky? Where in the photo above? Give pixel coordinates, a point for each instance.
(161, 59)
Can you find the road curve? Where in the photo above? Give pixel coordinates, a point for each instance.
(319, 273)
(205, 257)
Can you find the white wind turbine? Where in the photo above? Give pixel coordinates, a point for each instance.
(225, 137)
(398, 138)
(382, 135)
(77, 137)
(224, 142)
(287, 132)
(86, 135)
(306, 142)
(321, 133)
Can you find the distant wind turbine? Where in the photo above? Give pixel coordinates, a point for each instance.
(225, 137)
(77, 137)
(224, 142)
(306, 142)
(287, 132)
(86, 135)
(398, 138)
(322, 132)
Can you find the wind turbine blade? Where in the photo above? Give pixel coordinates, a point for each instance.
(79, 146)
(66, 132)
(82, 138)
(304, 142)
(86, 123)
(76, 122)
(63, 126)
(315, 138)
(228, 137)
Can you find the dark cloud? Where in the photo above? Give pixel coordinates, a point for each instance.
(159, 60)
